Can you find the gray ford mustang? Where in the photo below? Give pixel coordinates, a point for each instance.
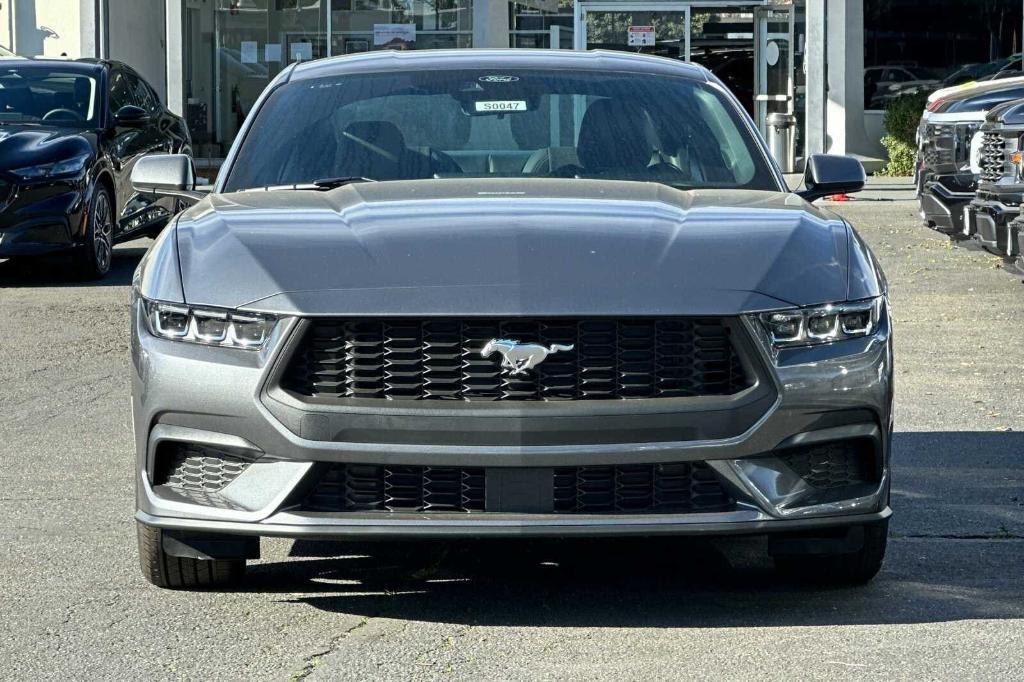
(507, 294)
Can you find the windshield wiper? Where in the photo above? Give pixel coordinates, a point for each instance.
(323, 184)
(331, 183)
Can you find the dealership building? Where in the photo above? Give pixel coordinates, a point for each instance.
(210, 59)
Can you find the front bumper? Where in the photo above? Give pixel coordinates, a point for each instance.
(41, 219)
(989, 220)
(225, 399)
(942, 201)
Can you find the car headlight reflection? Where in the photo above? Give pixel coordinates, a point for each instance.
(210, 326)
(822, 324)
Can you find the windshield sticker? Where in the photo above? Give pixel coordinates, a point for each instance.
(501, 105)
(498, 79)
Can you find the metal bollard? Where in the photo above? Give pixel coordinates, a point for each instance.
(781, 128)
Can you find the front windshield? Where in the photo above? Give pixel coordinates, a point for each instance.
(507, 123)
(47, 96)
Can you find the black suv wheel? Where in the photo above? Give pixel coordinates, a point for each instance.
(93, 259)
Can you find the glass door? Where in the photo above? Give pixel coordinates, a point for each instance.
(659, 28)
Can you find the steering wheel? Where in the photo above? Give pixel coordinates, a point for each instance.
(63, 114)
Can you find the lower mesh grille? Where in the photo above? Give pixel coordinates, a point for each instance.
(671, 488)
(629, 488)
(196, 468)
(832, 465)
(367, 487)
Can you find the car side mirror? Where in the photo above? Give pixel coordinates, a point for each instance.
(131, 116)
(828, 174)
(166, 174)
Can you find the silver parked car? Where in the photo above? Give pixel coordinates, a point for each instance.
(507, 294)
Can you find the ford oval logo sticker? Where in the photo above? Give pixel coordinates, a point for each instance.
(498, 79)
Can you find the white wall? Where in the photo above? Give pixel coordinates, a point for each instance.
(41, 27)
(137, 36)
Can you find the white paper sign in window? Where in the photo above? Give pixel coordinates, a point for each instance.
(394, 35)
(302, 52)
(248, 51)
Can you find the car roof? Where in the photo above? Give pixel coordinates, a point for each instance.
(82, 65)
(974, 88)
(497, 59)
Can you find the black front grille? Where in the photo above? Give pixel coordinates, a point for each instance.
(666, 488)
(369, 487)
(440, 359)
(993, 157)
(678, 488)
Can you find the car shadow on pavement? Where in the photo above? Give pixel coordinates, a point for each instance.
(939, 567)
(654, 584)
(57, 271)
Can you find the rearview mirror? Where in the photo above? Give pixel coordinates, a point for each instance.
(167, 175)
(130, 116)
(828, 174)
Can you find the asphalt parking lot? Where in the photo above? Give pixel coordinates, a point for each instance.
(949, 602)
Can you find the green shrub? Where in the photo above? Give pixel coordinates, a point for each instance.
(901, 157)
(903, 115)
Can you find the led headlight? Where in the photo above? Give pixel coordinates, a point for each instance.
(210, 326)
(72, 166)
(822, 324)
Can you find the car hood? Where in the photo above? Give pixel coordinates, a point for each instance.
(22, 146)
(510, 247)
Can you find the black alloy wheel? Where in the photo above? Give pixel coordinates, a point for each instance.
(97, 254)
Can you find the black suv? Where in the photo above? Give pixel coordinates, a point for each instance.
(70, 134)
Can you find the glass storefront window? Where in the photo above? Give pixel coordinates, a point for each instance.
(908, 51)
(363, 25)
(534, 26)
(233, 48)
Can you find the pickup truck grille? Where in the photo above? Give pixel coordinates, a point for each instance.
(946, 147)
(440, 359)
(993, 157)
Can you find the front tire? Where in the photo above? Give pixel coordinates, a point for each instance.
(93, 260)
(840, 569)
(164, 570)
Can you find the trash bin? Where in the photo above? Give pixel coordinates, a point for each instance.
(781, 128)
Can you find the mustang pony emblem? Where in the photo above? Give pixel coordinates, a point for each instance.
(520, 357)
